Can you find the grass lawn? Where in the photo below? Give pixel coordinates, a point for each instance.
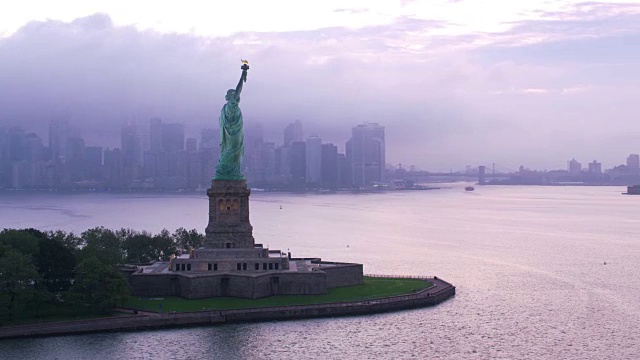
(372, 288)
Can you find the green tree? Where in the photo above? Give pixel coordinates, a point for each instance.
(102, 243)
(165, 243)
(17, 276)
(124, 234)
(185, 239)
(55, 264)
(141, 248)
(24, 241)
(98, 287)
(70, 240)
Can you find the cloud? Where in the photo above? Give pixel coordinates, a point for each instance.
(534, 91)
(352, 11)
(544, 91)
(445, 100)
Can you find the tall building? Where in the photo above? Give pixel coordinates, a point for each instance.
(58, 139)
(574, 167)
(367, 154)
(633, 162)
(5, 166)
(269, 161)
(208, 163)
(15, 147)
(154, 165)
(131, 144)
(194, 168)
(209, 154)
(253, 163)
(595, 167)
(76, 159)
(293, 133)
(93, 156)
(172, 137)
(283, 169)
(166, 163)
(191, 145)
(26, 153)
(209, 139)
(313, 159)
(344, 171)
(33, 149)
(298, 163)
(113, 168)
(330, 170)
(155, 135)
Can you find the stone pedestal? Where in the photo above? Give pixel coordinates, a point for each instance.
(229, 225)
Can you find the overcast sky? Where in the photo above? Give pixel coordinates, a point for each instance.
(455, 83)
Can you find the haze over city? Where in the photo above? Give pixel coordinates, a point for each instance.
(335, 179)
(523, 84)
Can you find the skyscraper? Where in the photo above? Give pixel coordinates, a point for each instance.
(313, 156)
(131, 144)
(155, 135)
(574, 167)
(330, 171)
(172, 137)
(58, 139)
(293, 133)
(16, 141)
(191, 145)
(595, 167)
(269, 161)
(209, 139)
(209, 153)
(76, 158)
(344, 171)
(298, 163)
(113, 168)
(5, 167)
(93, 155)
(253, 163)
(283, 164)
(367, 154)
(34, 149)
(633, 162)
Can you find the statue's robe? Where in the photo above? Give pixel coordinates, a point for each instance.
(231, 142)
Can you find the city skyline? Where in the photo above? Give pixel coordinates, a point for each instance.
(280, 137)
(512, 86)
(160, 157)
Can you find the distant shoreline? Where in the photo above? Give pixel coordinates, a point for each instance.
(556, 185)
(446, 185)
(203, 191)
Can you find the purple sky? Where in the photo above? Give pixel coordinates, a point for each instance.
(537, 92)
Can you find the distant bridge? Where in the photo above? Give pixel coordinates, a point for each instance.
(481, 173)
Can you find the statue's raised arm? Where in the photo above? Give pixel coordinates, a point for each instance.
(243, 77)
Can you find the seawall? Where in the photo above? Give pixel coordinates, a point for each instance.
(439, 292)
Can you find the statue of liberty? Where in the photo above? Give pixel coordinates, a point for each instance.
(232, 134)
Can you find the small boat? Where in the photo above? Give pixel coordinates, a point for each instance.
(469, 188)
(632, 190)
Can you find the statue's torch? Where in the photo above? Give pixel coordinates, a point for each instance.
(244, 67)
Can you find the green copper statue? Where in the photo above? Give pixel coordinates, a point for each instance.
(231, 133)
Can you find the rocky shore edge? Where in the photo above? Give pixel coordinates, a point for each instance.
(143, 320)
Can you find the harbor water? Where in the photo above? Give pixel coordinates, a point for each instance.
(540, 272)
